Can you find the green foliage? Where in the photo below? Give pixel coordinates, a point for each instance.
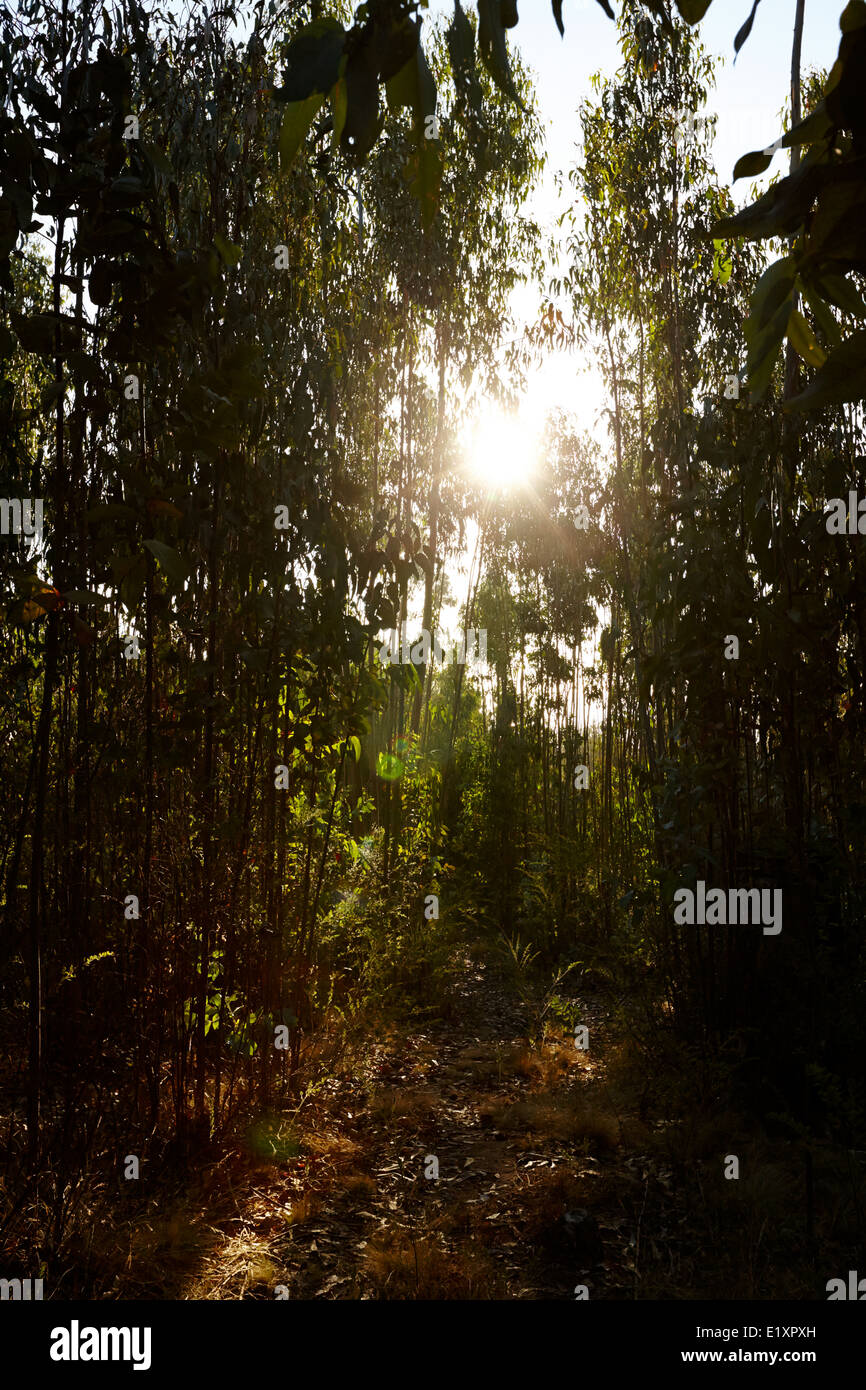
(283, 299)
(820, 207)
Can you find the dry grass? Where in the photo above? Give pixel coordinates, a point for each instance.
(557, 1115)
(403, 1268)
(329, 1144)
(242, 1267)
(461, 1221)
(480, 1062)
(549, 1195)
(392, 1104)
(304, 1209)
(699, 1137)
(545, 1065)
(358, 1185)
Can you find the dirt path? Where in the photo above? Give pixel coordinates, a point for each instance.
(533, 1196)
(450, 1159)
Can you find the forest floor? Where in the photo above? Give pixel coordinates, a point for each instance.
(544, 1183)
(450, 1147)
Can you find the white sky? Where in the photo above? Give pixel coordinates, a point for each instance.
(748, 99)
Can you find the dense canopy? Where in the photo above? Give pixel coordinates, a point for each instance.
(387, 793)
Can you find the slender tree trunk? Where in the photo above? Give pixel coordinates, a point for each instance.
(43, 732)
(791, 358)
(433, 541)
(37, 868)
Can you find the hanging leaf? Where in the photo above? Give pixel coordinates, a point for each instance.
(746, 29)
(85, 598)
(297, 119)
(423, 174)
(158, 158)
(173, 565)
(494, 48)
(840, 291)
(100, 282)
(816, 126)
(313, 61)
(338, 112)
(36, 600)
(775, 285)
(81, 631)
(461, 50)
(841, 379)
(803, 340)
(37, 332)
(395, 44)
(749, 166)
(402, 89)
(362, 124)
(229, 253)
(780, 211)
(414, 86)
(693, 11)
(29, 611)
(764, 348)
(823, 316)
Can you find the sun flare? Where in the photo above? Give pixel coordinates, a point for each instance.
(501, 450)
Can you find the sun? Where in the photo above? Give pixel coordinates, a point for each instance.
(501, 450)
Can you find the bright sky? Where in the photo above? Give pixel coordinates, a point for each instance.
(748, 100)
(749, 97)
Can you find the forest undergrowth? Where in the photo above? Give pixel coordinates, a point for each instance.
(463, 1145)
(428, 869)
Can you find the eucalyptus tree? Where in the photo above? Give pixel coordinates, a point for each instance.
(198, 624)
(193, 388)
(451, 280)
(721, 571)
